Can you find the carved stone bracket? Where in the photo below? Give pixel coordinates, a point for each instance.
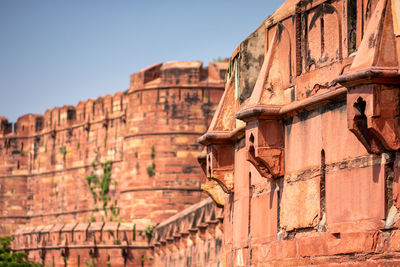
(372, 84)
(220, 157)
(220, 165)
(264, 139)
(211, 187)
(372, 110)
(264, 145)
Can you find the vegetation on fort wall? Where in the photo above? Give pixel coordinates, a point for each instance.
(100, 189)
(151, 169)
(149, 231)
(13, 259)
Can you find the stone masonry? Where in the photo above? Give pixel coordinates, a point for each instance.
(302, 152)
(301, 156)
(303, 148)
(143, 140)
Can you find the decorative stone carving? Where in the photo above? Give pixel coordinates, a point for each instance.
(372, 83)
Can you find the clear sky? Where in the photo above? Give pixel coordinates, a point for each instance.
(58, 52)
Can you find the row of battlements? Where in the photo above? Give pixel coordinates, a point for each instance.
(98, 234)
(193, 222)
(86, 112)
(188, 73)
(109, 107)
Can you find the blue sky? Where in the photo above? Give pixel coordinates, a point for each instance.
(57, 52)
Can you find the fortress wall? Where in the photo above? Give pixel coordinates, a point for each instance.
(303, 149)
(51, 155)
(80, 244)
(193, 237)
(165, 119)
(13, 203)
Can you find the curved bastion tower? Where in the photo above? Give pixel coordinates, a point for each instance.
(129, 157)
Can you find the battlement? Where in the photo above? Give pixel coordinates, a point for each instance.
(199, 228)
(148, 138)
(195, 231)
(98, 234)
(302, 153)
(58, 118)
(86, 112)
(5, 126)
(78, 243)
(179, 73)
(190, 73)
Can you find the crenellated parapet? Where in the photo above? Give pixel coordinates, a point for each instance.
(78, 243)
(179, 73)
(180, 239)
(193, 237)
(5, 126)
(146, 134)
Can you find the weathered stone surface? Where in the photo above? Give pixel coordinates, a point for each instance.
(317, 82)
(355, 195)
(300, 204)
(149, 136)
(193, 237)
(330, 78)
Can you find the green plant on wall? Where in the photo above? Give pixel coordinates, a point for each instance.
(149, 231)
(91, 262)
(100, 189)
(151, 169)
(145, 258)
(13, 259)
(63, 150)
(105, 140)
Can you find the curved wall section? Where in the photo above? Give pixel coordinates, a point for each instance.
(147, 135)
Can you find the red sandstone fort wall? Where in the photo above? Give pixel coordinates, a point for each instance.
(46, 158)
(305, 159)
(193, 237)
(302, 151)
(83, 244)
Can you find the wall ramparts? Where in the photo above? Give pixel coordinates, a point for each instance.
(193, 237)
(50, 156)
(302, 151)
(79, 244)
